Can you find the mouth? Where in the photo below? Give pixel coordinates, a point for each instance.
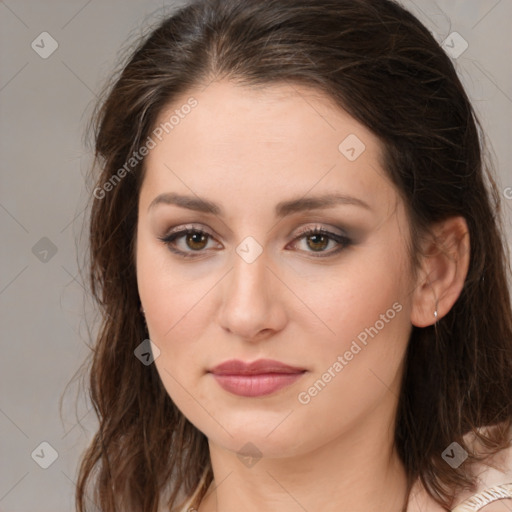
(259, 378)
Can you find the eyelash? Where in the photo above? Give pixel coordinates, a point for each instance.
(170, 239)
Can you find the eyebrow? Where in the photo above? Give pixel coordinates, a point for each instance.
(282, 209)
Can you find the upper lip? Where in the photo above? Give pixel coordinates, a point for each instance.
(261, 366)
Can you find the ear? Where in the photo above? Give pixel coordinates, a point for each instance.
(444, 267)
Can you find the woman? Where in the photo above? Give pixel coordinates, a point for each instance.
(293, 207)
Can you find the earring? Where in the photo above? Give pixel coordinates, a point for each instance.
(142, 309)
(435, 314)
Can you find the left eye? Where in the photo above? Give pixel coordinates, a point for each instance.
(319, 238)
(196, 239)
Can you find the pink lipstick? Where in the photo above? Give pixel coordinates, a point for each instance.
(259, 378)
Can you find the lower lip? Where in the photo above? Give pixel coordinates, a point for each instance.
(256, 385)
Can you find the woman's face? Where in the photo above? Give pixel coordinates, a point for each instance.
(336, 308)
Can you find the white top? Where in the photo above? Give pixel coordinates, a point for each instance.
(493, 485)
(480, 500)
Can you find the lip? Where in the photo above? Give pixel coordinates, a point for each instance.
(258, 378)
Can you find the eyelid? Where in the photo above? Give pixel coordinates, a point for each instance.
(188, 227)
(303, 230)
(308, 228)
(343, 241)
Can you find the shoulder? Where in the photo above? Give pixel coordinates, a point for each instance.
(491, 473)
(493, 479)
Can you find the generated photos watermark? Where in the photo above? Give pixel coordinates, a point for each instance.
(137, 156)
(305, 397)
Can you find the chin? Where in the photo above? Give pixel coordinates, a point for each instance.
(256, 436)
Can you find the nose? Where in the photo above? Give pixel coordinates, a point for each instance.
(252, 306)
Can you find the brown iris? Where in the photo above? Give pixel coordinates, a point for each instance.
(196, 238)
(324, 238)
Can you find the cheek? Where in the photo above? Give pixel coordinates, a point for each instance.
(176, 309)
(358, 369)
(170, 292)
(356, 296)
(176, 312)
(366, 311)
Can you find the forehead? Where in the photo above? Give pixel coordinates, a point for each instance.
(280, 140)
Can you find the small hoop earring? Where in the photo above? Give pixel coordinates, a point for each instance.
(142, 309)
(435, 314)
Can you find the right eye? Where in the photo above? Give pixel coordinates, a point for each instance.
(195, 239)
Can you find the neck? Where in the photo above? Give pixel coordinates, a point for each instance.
(355, 472)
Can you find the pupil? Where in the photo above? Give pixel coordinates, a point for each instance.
(317, 241)
(201, 238)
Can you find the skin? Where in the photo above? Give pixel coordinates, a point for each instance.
(248, 149)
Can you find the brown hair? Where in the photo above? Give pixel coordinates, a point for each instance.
(380, 64)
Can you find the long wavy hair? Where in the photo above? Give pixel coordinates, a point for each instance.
(382, 66)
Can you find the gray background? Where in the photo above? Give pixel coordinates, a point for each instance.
(44, 105)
